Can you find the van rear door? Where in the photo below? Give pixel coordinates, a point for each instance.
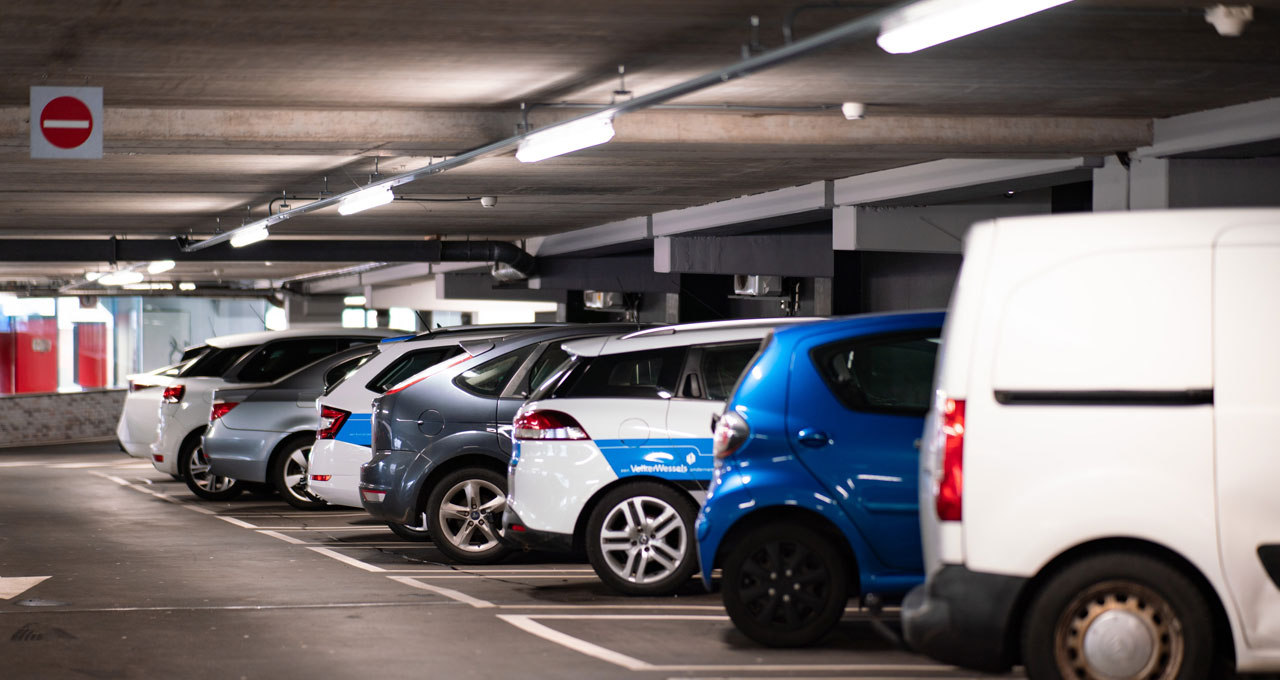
(1246, 320)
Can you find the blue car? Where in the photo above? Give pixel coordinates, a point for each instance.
(814, 496)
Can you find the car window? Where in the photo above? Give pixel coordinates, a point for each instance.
(644, 374)
(215, 363)
(409, 364)
(334, 376)
(490, 378)
(548, 387)
(888, 374)
(282, 357)
(546, 365)
(720, 368)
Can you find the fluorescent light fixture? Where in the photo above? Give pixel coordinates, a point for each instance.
(368, 198)
(92, 276)
(148, 286)
(565, 138)
(932, 22)
(121, 278)
(354, 300)
(161, 266)
(244, 238)
(186, 286)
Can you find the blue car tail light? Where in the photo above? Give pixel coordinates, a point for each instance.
(732, 431)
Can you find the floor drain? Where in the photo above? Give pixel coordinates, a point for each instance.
(34, 633)
(31, 602)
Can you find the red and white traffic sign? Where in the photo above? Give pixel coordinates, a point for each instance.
(66, 122)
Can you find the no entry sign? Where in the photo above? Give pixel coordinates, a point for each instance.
(66, 122)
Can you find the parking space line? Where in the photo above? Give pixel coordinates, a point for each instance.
(382, 528)
(446, 592)
(527, 623)
(240, 523)
(345, 559)
(283, 537)
(468, 577)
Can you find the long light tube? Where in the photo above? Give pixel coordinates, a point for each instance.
(161, 266)
(562, 139)
(932, 22)
(120, 278)
(244, 238)
(369, 198)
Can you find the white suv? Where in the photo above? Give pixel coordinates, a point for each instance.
(613, 451)
(1098, 477)
(242, 358)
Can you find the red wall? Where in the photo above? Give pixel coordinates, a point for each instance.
(36, 355)
(6, 356)
(91, 354)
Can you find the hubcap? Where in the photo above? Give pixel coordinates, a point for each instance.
(643, 539)
(295, 473)
(784, 584)
(198, 468)
(467, 514)
(1119, 630)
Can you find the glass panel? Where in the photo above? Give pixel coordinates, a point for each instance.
(647, 374)
(490, 378)
(722, 366)
(881, 374)
(409, 364)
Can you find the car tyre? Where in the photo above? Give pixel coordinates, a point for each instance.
(289, 472)
(465, 511)
(784, 585)
(1119, 615)
(193, 468)
(410, 532)
(640, 539)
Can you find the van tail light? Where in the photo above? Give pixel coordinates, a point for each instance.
(331, 420)
(950, 490)
(428, 372)
(173, 393)
(548, 426)
(731, 433)
(221, 408)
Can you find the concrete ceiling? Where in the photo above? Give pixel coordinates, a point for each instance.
(215, 107)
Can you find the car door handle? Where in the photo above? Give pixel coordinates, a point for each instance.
(813, 438)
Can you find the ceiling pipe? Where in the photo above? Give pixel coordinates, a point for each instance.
(864, 25)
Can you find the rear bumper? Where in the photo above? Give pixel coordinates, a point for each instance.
(240, 454)
(964, 618)
(398, 475)
(532, 539)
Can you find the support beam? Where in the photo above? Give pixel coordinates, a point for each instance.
(1222, 128)
(633, 232)
(804, 255)
(925, 229)
(789, 201)
(623, 274)
(954, 179)
(468, 286)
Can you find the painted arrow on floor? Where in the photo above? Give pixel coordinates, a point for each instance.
(13, 586)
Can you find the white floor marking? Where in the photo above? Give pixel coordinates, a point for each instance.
(451, 594)
(473, 577)
(13, 586)
(284, 514)
(526, 623)
(381, 528)
(345, 559)
(19, 463)
(286, 539)
(238, 522)
(239, 607)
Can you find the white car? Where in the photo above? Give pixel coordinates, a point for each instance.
(613, 451)
(187, 400)
(1098, 473)
(140, 415)
(343, 437)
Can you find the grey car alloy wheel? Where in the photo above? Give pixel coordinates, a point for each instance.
(202, 477)
(465, 515)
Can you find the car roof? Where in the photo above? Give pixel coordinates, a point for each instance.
(683, 335)
(259, 337)
(515, 341)
(871, 323)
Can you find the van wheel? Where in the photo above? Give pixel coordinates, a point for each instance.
(289, 472)
(193, 466)
(1118, 616)
(640, 539)
(466, 512)
(784, 585)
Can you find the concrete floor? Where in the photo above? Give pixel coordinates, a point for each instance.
(146, 581)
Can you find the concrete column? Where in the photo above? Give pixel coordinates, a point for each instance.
(1149, 184)
(1111, 186)
(314, 310)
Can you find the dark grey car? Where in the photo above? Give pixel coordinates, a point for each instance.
(441, 441)
(263, 433)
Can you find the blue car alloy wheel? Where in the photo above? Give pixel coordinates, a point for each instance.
(785, 585)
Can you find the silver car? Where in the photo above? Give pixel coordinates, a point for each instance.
(262, 434)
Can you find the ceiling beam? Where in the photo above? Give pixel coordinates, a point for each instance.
(1214, 129)
(275, 250)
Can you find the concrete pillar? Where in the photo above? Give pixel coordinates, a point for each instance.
(1149, 184)
(314, 310)
(1111, 186)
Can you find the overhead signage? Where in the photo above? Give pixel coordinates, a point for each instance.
(66, 122)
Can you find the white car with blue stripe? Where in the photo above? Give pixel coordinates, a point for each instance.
(613, 452)
(345, 412)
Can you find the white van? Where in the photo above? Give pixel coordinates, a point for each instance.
(1100, 468)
